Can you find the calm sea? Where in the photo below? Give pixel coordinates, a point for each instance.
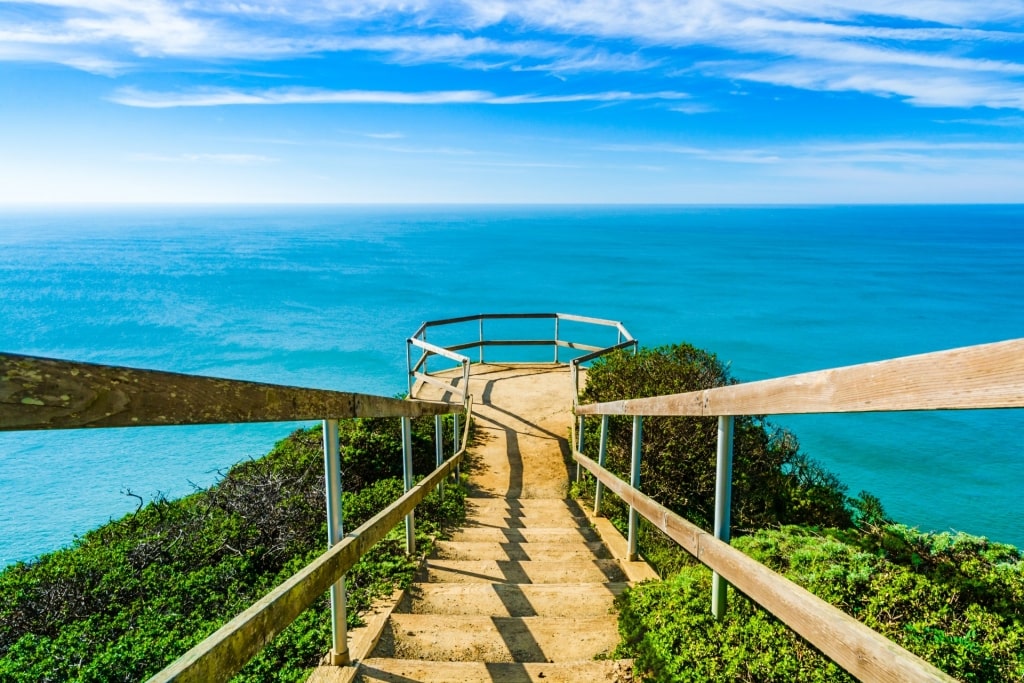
(325, 297)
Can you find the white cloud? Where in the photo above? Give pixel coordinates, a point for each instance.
(875, 153)
(223, 96)
(191, 158)
(927, 52)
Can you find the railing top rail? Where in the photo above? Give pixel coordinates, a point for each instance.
(46, 393)
(971, 377)
(439, 350)
(520, 316)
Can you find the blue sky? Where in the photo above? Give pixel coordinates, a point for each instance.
(691, 101)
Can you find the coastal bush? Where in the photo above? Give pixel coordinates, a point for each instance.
(773, 482)
(954, 600)
(133, 595)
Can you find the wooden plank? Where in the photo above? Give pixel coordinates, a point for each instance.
(585, 319)
(490, 316)
(229, 648)
(600, 352)
(45, 393)
(983, 376)
(446, 385)
(865, 654)
(577, 346)
(434, 349)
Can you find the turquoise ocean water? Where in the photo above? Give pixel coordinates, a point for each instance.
(325, 297)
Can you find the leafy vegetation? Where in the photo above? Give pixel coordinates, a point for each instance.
(773, 482)
(955, 600)
(133, 595)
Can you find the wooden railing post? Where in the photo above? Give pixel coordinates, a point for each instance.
(335, 532)
(723, 507)
(602, 453)
(634, 481)
(410, 519)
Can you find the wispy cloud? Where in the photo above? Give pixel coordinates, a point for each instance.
(205, 158)
(873, 152)
(926, 52)
(222, 97)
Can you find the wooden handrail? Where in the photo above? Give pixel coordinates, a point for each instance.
(224, 652)
(852, 645)
(983, 376)
(45, 393)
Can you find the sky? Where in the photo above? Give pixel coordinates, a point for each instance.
(533, 101)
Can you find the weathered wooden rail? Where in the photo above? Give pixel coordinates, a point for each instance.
(45, 393)
(985, 376)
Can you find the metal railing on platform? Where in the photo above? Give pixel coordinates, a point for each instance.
(985, 376)
(44, 393)
(418, 371)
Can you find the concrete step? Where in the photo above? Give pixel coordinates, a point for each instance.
(497, 639)
(513, 571)
(527, 535)
(483, 550)
(502, 519)
(512, 600)
(524, 507)
(418, 671)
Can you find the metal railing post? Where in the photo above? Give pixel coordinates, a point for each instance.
(556, 342)
(579, 446)
(602, 452)
(426, 354)
(481, 340)
(408, 364)
(634, 481)
(410, 520)
(456, 446)
(723, 506)
(335, 532)
(439, 440)
(439, 444)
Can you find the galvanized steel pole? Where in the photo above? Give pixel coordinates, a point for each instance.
(410, 520)
(723, 506)
(439, 444)
(634, 481)
(556, 342)
(602, 452)
(335, 532)
(481, 340)
(579, 447)
(408, 364)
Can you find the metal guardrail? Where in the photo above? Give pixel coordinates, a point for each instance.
(984, 376)
(45, 393)
(418, 370)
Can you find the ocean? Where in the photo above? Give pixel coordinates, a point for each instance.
(326, 296)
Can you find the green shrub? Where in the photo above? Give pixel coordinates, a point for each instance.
(773, 482)
(131, 596)
(953, 600)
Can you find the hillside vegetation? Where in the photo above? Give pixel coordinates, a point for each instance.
(955, 600)
(133, 595)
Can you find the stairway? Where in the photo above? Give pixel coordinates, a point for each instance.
(525, 590)
(523, 593)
